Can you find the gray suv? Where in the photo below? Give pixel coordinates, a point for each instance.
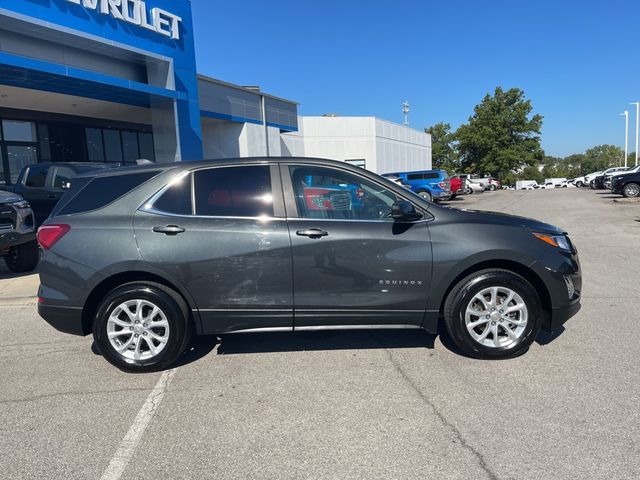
(144, 256)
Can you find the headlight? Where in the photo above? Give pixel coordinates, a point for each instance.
(22, 204)
(557, 241)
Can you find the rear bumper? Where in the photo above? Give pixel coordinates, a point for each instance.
(63, 319)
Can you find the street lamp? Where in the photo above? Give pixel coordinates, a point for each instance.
(626, 136)
(637, 104)
(405, 111)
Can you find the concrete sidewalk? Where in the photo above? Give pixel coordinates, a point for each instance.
(17, 289)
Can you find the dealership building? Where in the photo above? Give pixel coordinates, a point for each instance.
(116, 81)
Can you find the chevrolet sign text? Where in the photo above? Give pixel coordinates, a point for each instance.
(136, 12)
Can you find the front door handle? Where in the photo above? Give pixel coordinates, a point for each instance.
(312, 233)
(169, 230)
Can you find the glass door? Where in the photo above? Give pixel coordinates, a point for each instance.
(18, 148)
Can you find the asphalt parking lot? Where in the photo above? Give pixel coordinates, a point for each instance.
(343, 405)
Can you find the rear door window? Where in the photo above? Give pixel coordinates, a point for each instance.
(37, 176)
(176, 198)
(233, 192)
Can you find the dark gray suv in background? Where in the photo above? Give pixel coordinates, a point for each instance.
(144, 256)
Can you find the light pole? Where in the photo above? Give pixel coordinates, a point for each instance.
(626, 135)
(637, 104)
(405, 112)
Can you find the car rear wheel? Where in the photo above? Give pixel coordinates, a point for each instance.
(142, 327)
(579, 184)
(631, 190)
(23, 258)
(426, 195)
(493, 314)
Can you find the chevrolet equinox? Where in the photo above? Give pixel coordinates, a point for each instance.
(143, 256)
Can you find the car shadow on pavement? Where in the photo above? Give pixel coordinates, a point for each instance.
(240, 343)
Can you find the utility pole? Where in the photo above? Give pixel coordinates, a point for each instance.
(405, 112)
(637, 104)
(626, 135)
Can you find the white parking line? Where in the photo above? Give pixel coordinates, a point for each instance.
(123, 455)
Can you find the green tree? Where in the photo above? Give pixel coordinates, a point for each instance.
(501, 135)
(531, 173)
(443, 150)
(601, 157)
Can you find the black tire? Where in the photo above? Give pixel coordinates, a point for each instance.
(462, 294)
(492, 187)
(631, 190)
(470, 191)
(23, 258)
(172, 305)
(592, 185)
(579, 184)
(426, 195)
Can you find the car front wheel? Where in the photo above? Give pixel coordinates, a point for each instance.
(142, 327)
(23, 258)
(493, 314)
(579, 184)
(631, 190)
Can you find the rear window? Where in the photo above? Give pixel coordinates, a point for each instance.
(233, 192)
(101, 191)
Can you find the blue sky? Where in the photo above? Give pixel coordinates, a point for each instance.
(578, 61)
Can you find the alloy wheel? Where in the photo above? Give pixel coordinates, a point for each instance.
(138, 330)
(496, 317)
(632, 190)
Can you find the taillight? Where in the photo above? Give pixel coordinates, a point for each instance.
(443, 185)
(48, 235)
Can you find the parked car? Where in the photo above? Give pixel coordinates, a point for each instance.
(42, 184)
(555, 182)
(585, 180)
(472, 187)
(487, 183)
(626, 184)
(457, 186)
(217, 247)
(526, 184)
(608, 177)
(597, 182)
(432, 185)
(18, 245)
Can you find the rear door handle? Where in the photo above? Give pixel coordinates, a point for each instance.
(312, 233)
(169, 230)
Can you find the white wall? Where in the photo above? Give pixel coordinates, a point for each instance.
(385, 146)
(224, 139)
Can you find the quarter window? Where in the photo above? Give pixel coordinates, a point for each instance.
(234, 192)
(334, 194)
(62, 177)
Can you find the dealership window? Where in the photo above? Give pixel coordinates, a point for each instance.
(130, 147)
(19, 131)
(95, 147)
(44, 142)
(234, 192)
(20, 156)
(118, 146)
(112, 146)
(146, 146)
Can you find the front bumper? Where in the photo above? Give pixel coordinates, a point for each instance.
(616, 187)
(562, 276)
(13, 239)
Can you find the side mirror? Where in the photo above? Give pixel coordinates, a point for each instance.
(404, 211)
